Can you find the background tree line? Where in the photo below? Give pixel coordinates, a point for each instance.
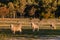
(30, 8)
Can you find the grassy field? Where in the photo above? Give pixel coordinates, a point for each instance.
(7, 33)
(44, 30)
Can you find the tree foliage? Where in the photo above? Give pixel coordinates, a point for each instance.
(4, 11)
(46, 8)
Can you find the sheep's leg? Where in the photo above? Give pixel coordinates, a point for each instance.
(33, 29)
(37, 29)
(14, 32)
(20, 30)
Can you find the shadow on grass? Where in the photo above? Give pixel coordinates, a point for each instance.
(26, 32)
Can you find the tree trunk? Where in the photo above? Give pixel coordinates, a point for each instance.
(14, 14)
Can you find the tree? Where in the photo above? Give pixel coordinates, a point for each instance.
(11, 9)
(22, 7)
(3, 11)
(50, 7)
(58, 2)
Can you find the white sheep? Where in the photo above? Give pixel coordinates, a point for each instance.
(15, 27)
(35, 26)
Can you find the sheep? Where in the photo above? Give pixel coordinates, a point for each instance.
(15, 28)
(52, 25)
(35, 26)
